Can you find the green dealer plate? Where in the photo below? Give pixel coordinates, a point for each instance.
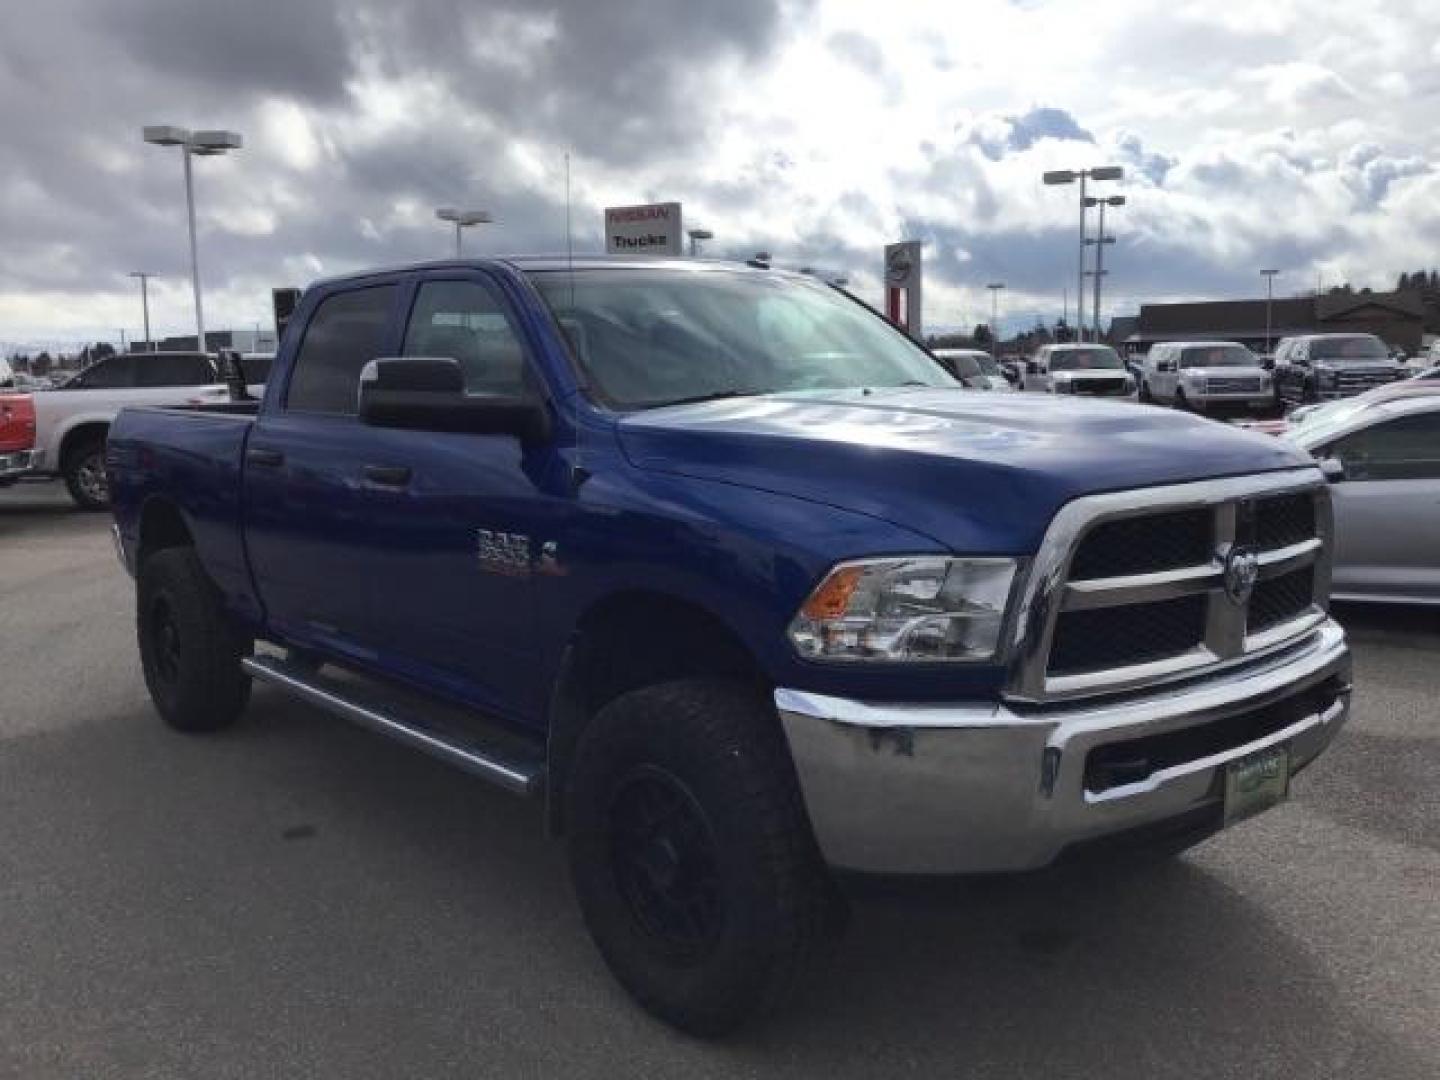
(1256, 783)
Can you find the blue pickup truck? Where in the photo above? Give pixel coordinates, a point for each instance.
(743, 585)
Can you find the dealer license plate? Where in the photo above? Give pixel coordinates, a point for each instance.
(1256, 783)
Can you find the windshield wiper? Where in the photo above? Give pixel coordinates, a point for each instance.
(711, 395)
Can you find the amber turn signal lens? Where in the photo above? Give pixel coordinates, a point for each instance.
(832, 599)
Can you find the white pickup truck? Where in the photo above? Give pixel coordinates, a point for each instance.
(73, 419)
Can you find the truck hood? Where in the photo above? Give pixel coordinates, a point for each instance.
(979, 473)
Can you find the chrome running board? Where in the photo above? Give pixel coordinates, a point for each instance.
(515, 772)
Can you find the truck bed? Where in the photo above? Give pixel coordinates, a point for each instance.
(192, 457)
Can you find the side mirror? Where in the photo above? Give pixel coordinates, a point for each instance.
(1032, 368)
(1333, 469)
(423, 393)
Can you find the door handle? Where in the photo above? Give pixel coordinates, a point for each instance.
(260, 455)
(389, 475)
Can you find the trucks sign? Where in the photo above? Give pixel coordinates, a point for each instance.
(652, 229)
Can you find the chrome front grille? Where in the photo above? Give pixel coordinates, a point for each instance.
(1131, 588)
(1232, 384)
(1355, 382)
(1120, 385)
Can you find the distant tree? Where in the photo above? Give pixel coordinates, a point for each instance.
(1402, 283)
(982, 336)
(1063, 332)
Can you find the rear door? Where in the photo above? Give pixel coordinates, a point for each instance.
(177, 378)
(305, 493)
(1387, 509)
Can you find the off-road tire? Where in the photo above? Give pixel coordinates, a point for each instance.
(720, 743)
(84, 472)
(190, 650)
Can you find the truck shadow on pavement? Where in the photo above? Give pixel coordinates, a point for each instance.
(337, 905)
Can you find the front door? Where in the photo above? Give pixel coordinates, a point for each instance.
(458, 522)
(1387, 510)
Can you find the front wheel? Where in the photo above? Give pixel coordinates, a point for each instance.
(84, 473)
(692, 858)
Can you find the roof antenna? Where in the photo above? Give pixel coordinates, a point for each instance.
(578, 474)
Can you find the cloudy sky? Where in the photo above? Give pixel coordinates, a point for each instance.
(1274, 133)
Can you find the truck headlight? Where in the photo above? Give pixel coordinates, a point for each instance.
(924, 608)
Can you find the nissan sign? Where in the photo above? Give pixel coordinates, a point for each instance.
(652, 229)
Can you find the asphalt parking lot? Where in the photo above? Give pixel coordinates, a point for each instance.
(296, 898)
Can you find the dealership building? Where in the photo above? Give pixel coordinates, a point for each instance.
(1398, 318)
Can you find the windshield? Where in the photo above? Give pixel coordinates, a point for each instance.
(1099, 358)
(1357, 347)
(649, 337)
(966, 365)
(1314, 426)
(1208, 356)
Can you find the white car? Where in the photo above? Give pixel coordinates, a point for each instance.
(977, 369)
(1088, 370)
(1199, 375)
(73, 419)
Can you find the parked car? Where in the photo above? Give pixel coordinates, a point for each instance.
(1092, 370)
(732, 574)
(1383, 457)
(1200, 375)
(74, 418)
(17, 435)
(974, 368)
(1324, 367)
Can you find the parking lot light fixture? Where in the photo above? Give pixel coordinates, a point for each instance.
(210, 143)
(463, 219)
(1068, 176)
(145, 276)
(995, 287)
(1269, 276)
(1100, 241)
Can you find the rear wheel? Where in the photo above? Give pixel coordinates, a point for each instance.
(84, 473)
(691, 855)
(190, 650)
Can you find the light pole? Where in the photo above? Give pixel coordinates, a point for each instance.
(1269, 300)
(1100, 241)
(145, 276)
(194, 144)
(463, 219)
(995, 287)
(1069, 176)
(696, 235)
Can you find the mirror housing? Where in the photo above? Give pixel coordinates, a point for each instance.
(1032, 367)
(426, 393)
(1332, 468)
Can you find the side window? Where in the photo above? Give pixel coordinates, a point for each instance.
(112, 373)
(1407, 448)
(174, 370)
(343, 335)
(463, 320)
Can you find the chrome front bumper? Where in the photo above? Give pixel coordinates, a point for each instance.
(19, 463)
(982, 787)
